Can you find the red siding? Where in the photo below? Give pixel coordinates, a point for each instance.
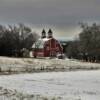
(51, 48)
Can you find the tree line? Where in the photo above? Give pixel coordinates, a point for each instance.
(87, 46)
(14, 39)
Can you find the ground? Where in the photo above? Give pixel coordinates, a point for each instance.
(60, 79)
(19, 65)
(74, 85)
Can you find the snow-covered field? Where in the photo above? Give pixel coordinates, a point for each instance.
(73, 85)
(19, 65)
(78, 85)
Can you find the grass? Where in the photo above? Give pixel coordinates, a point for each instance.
(6, 94)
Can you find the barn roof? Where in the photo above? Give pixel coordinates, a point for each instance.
(40, 43)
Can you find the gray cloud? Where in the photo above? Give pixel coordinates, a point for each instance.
(63, 14)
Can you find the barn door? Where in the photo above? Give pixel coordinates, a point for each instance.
(53, 53)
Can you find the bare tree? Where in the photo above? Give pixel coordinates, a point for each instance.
(14, 38)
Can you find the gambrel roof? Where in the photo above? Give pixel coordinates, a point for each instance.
(40, 43)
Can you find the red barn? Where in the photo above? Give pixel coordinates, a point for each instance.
(47, 46)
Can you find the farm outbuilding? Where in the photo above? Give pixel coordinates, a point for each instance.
(47, 46)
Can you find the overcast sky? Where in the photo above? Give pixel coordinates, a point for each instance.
(61, 15)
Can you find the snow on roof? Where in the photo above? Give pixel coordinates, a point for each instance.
(45, 39)
(40, 43)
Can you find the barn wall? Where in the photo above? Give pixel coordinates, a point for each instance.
(51, 47)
